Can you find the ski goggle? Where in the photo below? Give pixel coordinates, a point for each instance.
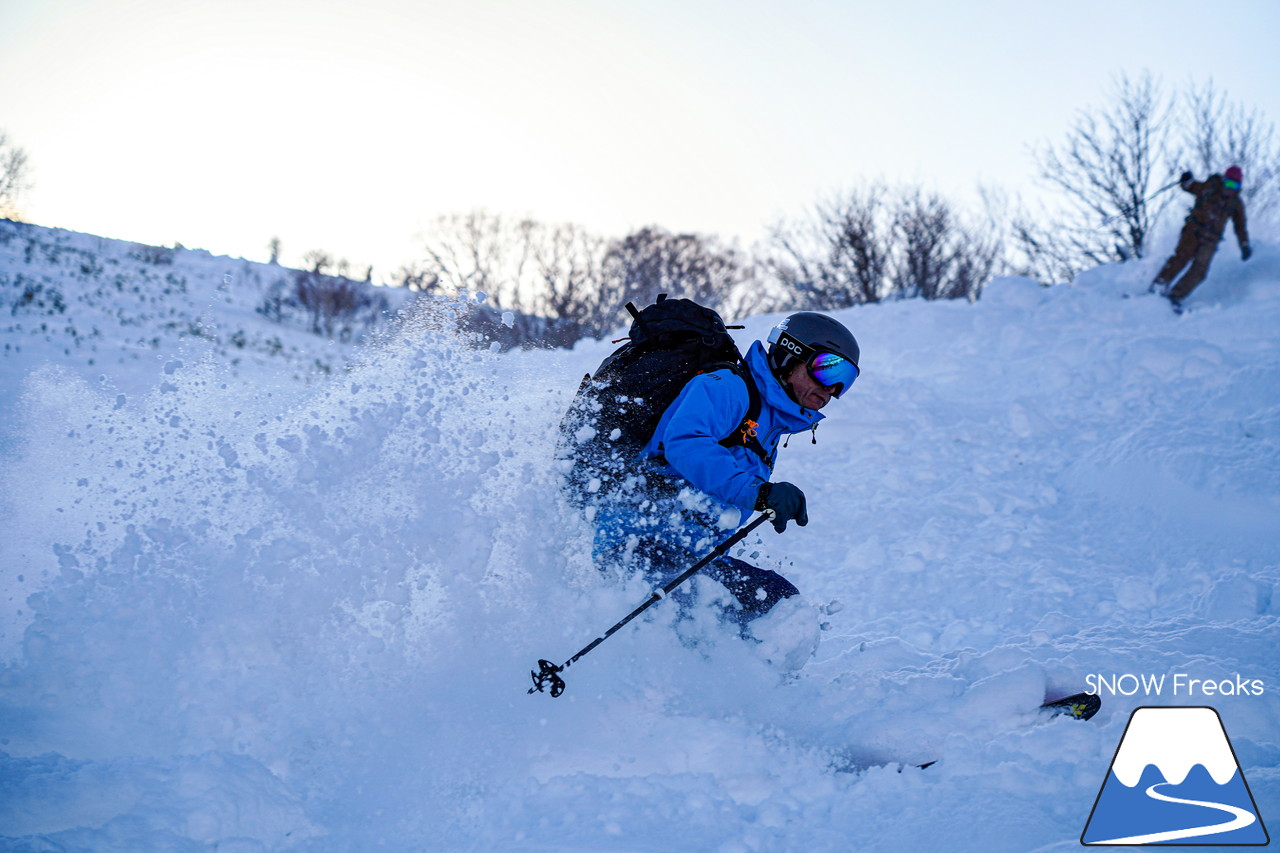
(830, 369)
(1230, 184)
(826, 368)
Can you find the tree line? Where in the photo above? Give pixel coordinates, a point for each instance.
(1108, 182)
(563, 283)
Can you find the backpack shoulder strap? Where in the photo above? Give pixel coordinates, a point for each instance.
(745, 433)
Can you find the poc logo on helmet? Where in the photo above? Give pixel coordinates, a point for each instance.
(789, 343)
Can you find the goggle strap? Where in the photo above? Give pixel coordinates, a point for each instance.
(802, 351)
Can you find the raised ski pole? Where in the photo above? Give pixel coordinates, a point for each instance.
(548, 674)
(1126, 211)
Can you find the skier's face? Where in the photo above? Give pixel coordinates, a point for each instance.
(808, 392)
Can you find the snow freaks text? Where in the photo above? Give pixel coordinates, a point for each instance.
(1177, 684)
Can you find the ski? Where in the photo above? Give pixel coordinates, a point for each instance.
(1081, 706)
(1078, 706)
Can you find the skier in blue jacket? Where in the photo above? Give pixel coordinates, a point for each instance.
(693, 488)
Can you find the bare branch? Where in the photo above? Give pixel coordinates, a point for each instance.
(15, 177)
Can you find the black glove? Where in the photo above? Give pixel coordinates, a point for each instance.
(1186, 176)
(1245, 252)
(787, 503)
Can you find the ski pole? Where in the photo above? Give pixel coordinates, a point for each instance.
(548, 673)
(1126, 211)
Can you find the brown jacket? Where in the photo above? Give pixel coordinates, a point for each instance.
(1214, 206)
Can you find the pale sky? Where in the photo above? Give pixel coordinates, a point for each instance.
(348, 126)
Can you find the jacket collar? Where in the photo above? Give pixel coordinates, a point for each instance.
(791, 415)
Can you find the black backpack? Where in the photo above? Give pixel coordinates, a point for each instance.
(617, 409)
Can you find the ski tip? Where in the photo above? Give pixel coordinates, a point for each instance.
(1081, 706)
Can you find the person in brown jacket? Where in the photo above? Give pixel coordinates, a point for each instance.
(1217, 200)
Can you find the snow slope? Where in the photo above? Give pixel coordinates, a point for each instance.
(249, 612)
(103, 307)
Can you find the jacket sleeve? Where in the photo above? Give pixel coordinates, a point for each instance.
(709, 408)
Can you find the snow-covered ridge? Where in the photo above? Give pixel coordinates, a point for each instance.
(104, 304)
(1174, 743)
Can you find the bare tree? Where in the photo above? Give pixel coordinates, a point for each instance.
(417, 275)
(1218, 132)
(15, 177)
(922, 227)
(756, 293)
(325, 298)
(935, 254)
(569, 261)
(652, 260)
(548, 277)
(562, 282)
(1046, 256)
(318, 260)
(336, 307)
(875, 243)
(839, 256)
(483, 252)
(1108, 168)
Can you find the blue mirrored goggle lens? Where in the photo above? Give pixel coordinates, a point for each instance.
(1230, 184)
(831, 369)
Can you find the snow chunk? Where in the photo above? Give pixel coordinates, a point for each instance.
(788, 634)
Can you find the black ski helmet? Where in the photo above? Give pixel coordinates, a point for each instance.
(816, 331)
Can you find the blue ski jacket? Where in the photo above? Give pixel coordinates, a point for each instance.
(711, 406)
